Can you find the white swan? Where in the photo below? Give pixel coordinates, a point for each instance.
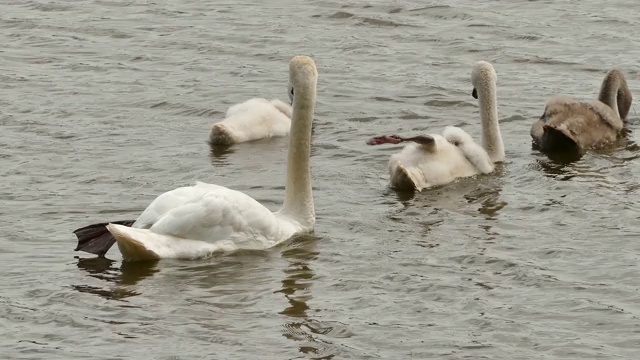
(253, 119)
(196, 221)
(433, 160)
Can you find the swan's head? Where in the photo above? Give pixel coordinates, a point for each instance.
(482, 75)
(303, 75)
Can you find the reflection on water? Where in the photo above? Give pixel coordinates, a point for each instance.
(237, 269)
(296, 287)
(312, 336)
(405, 196)
(489, 199)
(97, 267)
(482, 189)
(129, 273)
(557, 169)
(565, 157)
(630, 145)
(134, 272)
(219, 153)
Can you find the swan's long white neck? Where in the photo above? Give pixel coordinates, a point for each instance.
(491, 137)
(298, 201)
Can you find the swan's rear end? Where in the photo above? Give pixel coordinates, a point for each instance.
(144, 245)
(221, 135)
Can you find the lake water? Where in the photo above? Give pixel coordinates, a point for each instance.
(105, 104)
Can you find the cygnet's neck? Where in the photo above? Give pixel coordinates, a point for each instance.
(298, 201)
(491, 137)
(615, 93)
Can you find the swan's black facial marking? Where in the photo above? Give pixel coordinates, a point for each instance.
(474, 93)
(291, 95)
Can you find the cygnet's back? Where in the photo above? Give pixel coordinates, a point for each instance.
(431, 165)
(252, 120)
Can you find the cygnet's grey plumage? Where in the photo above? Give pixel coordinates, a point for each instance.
(569, 125)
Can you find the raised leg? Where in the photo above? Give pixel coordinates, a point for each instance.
(96, 239)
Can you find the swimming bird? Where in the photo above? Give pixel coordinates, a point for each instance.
(433, 159)
(253, 119)
(196, 221)
(569, 126)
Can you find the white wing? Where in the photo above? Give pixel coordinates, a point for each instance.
(210, 213)
(474, 153)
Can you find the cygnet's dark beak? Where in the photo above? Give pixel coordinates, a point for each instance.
(474, 93)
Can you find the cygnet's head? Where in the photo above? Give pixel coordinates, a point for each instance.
(481, 76)
(303, 76)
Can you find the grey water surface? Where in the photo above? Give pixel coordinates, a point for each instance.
(105, 104)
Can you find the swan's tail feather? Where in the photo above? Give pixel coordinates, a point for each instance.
(220, 135)
(96, 239)
(405, 179)
(558, 138)
(144, 244)
(457, 136)
(130, 247)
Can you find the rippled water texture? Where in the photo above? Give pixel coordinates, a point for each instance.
(106, 104)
